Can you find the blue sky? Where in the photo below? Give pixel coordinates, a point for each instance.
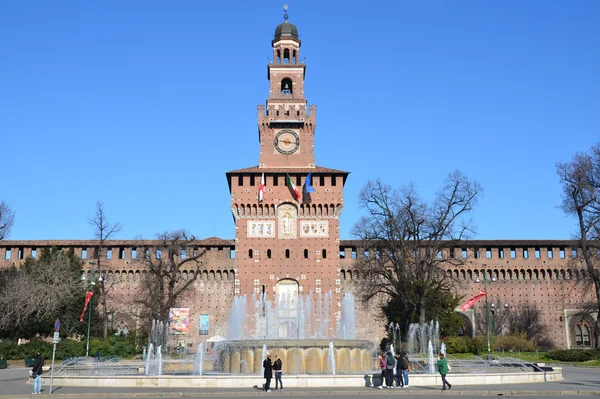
(146, 104)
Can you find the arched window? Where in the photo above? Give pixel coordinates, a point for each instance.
(286, 86)
(269, 253)
(250, 253)
(287, 253)
(324, 253)
(582, 335)
(306, 254)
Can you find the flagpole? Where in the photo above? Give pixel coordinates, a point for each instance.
(487, 313)
(87, 348)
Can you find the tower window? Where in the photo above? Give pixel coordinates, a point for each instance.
(240, 180)
(252, 180)
(306, 254)
(286, 86)
(275, 181)
(324, 254)
(333, 180)
(287, 253)
(250, 253)
(269, 253)
(322, 181)
(286, 56)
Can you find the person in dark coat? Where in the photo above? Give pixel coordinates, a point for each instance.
(36, 374)
(443, 369)
(268, 366)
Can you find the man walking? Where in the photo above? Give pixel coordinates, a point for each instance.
(278, 368)
(443, 369)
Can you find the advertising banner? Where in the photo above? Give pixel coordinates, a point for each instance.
(179, 319)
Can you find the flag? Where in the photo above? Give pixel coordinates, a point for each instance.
(471, 301)
(292, 186)
(261, 189)
(308, 188)
(88, 297)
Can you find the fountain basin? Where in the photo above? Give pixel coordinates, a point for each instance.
(299, 356)
(300, 381)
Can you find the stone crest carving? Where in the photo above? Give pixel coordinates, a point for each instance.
(314, 228)
(287, 216)
(261, 228)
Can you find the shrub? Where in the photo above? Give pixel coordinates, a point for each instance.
(572, 355)
(457, 344)
(479, 345)
(517, 342)
(9, 350)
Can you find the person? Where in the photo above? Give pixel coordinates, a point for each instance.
(278, 368)
(443, 369)
(96, 356)
(36, 373)
(389, 369)
(399, 381)
(268, 366)
(402, 369)
(382, 365)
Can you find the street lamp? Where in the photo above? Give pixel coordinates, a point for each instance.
(487, 313)
(502, 319)
(493, 310)
(91, 284)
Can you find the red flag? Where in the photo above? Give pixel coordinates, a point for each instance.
(88, 296)
(471, 301)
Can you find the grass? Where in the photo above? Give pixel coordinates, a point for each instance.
(533, 357)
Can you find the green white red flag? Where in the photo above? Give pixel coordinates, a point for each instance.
(292, 186)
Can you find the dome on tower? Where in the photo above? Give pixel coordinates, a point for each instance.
(285, 31)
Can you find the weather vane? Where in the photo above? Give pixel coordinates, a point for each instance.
(285, 14)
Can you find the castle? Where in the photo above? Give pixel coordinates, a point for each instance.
(286, 212)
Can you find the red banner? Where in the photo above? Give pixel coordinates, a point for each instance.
(88, 296)
(471, 301)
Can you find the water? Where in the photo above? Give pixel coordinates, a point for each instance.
(443, 349)
(199, 361)
(419, 338)
(331, 358)
(262, 361)
(290, 315)
(431, 368)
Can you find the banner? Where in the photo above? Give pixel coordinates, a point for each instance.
(179, 320)
(204, 324)
(471, 301)
(88, 297)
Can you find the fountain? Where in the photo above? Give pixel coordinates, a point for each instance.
(199, 361)
(297, 328)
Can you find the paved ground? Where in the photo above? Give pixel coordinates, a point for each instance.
(578, 381)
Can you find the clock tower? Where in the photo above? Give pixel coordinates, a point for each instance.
(286, 212)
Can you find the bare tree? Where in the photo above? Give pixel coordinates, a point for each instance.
(580, 180)
(7, 219)
(405, 238)
(163, 283)
(41, 290)
(103, 232)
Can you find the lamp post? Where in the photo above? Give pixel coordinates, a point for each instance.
(493, 310)
(503, 316)
(487, 313)
(91, 284)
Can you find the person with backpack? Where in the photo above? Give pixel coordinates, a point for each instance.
(402, 370)
(278, 368)
(390, 362)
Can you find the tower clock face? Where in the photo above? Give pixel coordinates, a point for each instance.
(287, 141)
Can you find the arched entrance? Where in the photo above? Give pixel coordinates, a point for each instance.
(287, 308)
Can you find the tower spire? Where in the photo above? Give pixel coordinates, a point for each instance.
(285, 14)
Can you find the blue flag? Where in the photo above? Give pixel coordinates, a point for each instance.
(308, 188)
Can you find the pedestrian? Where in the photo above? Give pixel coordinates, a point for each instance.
(278, 368)
(382, 365)
(268, 366)
(36, 374)
(402, 369)
(389, 369)
(443, 369)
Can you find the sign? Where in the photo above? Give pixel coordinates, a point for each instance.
(55, 340)
(179, 319)
(57, 325)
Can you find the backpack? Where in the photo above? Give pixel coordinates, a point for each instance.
(390, 361)
(404, 363)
